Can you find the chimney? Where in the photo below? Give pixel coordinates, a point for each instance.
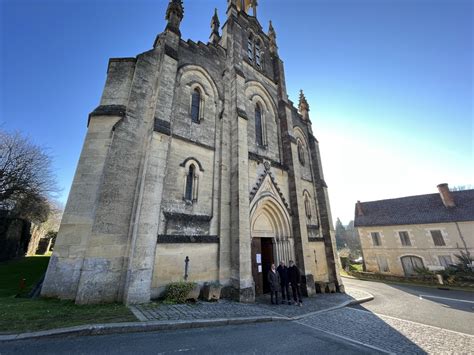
(359, 210)
(446, 196)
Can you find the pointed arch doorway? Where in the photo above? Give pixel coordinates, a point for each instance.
(271, 238)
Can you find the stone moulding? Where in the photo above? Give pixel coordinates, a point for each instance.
(108, 110)
(242, 113)
(174, 135)
(171, 52)
(259, 158)
(162, 126)
(192, 158)
(315, 239)
(188, 217)
(186, 239)
(259, 183)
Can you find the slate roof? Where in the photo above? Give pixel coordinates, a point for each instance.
(420, 209)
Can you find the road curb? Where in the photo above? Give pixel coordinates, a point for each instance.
(115, 328)
(129, 327)
(342, 305)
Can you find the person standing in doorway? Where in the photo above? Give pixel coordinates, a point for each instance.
(285, 291)
(274, 282)
(294, 276)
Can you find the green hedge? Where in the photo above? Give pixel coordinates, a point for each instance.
(177, 292)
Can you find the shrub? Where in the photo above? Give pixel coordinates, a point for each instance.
(177, 292)
(355, 267)
(464, 261)
(423, 271)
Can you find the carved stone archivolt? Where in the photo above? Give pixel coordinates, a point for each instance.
(270, 216)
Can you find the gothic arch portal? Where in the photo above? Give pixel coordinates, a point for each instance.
(270, 219)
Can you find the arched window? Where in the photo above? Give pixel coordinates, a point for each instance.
(307, 207)
(250, 48)
(188, 195)
(195, 105)
(257, 54)
(301, 152)
(258, 125)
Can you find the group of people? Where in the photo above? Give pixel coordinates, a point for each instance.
(281, 279)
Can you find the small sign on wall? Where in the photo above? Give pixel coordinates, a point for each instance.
(259, 268)
(259, 258)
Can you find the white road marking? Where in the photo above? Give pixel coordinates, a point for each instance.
(346, 338)
(445, 298)
(410, 321)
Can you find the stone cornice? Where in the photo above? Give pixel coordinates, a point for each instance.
(186, 239)
(108, 110)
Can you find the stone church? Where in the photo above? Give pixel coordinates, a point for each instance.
(195, 152)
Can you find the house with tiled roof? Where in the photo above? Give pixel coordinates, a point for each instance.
(402, 234)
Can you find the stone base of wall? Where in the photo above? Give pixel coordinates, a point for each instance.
(244, 295)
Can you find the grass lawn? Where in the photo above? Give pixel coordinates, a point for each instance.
(23, 314)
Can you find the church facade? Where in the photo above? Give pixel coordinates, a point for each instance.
(195, 153)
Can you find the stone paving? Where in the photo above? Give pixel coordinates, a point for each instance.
(200, 310)
(230, 309)
(390, 334)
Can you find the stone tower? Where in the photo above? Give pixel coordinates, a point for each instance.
(195, 151)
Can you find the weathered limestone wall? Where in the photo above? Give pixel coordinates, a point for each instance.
(119, 81)
(142, 248)
(169, 264)
(106, 258)
(320, 267)
(173, 196)
(64, 269)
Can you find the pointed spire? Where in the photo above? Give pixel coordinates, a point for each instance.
(303, 106)
(174, 15)
(272, 35)
(215, 23)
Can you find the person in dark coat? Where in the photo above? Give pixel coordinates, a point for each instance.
(285, 291)
(294, 276)
(274, 281)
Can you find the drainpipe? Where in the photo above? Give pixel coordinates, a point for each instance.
(462, 238)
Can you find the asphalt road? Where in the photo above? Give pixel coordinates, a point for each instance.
(400, 320)
(260, 338)
(447, 309)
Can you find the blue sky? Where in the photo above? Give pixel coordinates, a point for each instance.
(389, 82)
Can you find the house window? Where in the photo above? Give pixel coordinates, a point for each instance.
(258, 125)
(405, 239)
(383, 263)
(188, 195)
(301, 152)
(445, 260)
(437, 238)
(195, 105)
(376, 241)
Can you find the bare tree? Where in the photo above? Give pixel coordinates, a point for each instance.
(26, 178)
(461, 187)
